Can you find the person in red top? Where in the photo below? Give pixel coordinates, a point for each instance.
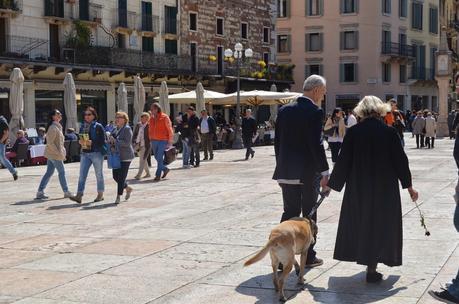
(161, 136)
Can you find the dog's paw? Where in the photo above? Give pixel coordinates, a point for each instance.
(300, 282)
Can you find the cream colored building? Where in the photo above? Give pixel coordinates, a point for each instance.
(361, 47)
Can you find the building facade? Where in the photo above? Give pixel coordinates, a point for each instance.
(361, 48)
(106, 42)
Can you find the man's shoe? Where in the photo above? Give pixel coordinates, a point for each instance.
(211, 158)
(444, 296)
(374, 277)
(205, 158)
(118, 200)
(316, 263)
(166, 172)
(253, 154)
(77, 198)
(157, 179)
(15, 176)
(41, 196)
(68, 194)
(99, 198)
(196, 166)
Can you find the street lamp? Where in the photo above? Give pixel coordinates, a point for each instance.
(238, 55)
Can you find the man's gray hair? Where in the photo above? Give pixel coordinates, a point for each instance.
(249, 110)
(314, 81)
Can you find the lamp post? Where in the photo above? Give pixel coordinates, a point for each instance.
(238, 55)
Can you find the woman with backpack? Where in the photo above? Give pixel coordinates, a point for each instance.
(55, 154)
(121, 141)
(93, 149)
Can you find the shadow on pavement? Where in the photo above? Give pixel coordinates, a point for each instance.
(34, 201)
(59, 207)
(98, 207)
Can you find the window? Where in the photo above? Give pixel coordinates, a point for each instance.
(313, 69)
(147, 44)
(194, 56)
(387, 42)
(433, 20)
(349, 6)
(244, 30)
(348, 72)
(171, 47)
(416, 11)
(386, 7)
(193, 22)
(349, 40)
(314, 7)
(403, 8)
(170, 20)
(266, 34)
(220, 27)
(386, 72)
(266, 58)
(283, 8)
(402, 73)
(314, 42)
(283, 43)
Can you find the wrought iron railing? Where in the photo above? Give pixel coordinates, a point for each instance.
(397, 49)
(92, 13)
(127, 19)
(14, 5)
(150, 23)
(25, 47)
(421, 73)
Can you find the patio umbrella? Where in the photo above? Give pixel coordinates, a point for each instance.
(200, 101)
(190, 97)
(164, 98)
(256, 98)
(16, 102)
(273, 109)
(122, 101)
(139, 98)
(70, 104)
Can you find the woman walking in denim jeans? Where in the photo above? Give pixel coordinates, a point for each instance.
(161, 137)
(92, 154)
(55, 153)
(121, 139)
(4, 135)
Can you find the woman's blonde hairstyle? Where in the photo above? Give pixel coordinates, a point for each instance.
(145, 114)
(371, 105)
(124, 115)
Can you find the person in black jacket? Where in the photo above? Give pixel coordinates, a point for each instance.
(194, 138)
(300, 155)
(371, 164)
(249, 130)
(208, 131)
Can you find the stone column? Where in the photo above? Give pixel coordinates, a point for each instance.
(29, 105)
(443, 89)
(111, 104)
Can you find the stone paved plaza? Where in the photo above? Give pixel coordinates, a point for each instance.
(184, 240)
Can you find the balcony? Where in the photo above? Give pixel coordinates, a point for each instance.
(93, 13)
(126, 21)
(10, 8)
(25, 48)
(397, 50)
(421, 73)
(150, 24)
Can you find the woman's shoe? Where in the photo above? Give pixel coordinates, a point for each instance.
(77, 198)
(138, 177)
(147, 176)
(100, 197)
(118, 199)
(128, 193)
(41, 196)
(374, 277)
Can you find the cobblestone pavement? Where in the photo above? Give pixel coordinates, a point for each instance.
(183, 240)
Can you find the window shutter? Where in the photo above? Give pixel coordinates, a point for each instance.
(389, 6)
(321, 70)
(341, 6)
(308, 8)
(307, 71)
(321, 7)
(341, 40)
(356, 3)
(341, 72)
(420, 15)
(356, 37)
(287, 13)
(307, 46)
(321, 41)
(289, 43)
(356, 72)
(389, 76)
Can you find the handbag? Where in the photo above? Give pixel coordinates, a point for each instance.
(170, 155)
(330, 132)
(114, 159)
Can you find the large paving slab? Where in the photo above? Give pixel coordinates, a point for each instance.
(184, 240)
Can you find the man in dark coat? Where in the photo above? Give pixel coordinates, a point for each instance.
(300, 155)
(451, 118)
(371, 164)
(249, 130)
(194, 137)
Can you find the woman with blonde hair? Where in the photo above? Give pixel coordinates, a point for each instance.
(371, 164)
(121, 140)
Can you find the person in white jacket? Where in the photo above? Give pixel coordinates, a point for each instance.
(431, 130)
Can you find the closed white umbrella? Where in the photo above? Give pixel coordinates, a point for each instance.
(122, 100)
(200, 101)
(273, 109)
(164, 98)
(190, 97)
(139, 98)
(16, 102)
(70, 104)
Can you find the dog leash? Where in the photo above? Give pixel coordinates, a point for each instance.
(323, 195)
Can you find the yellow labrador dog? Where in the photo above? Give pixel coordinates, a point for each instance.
(287, 239)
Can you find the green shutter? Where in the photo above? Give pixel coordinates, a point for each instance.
(356, 4)
(321, 42)
(341, 72)
(307, 46)
(307, 71)
(288, 12)
(307, 8)
(321, 70)
(289, 43)
(321, 7)
(356, 37)
(341, 6)
(341, 40)
(356, 72)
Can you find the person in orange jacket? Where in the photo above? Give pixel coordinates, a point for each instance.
(161, 136)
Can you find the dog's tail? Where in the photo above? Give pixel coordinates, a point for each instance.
(262, 253)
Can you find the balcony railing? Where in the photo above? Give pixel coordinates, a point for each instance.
(93, 13)
(54, 8)
(25, 48)
(12, 5)
(150, 23)
(421, 73)
(127, 19)
(170, 26)
(397, 49)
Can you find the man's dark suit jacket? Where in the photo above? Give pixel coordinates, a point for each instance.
(300, 154)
